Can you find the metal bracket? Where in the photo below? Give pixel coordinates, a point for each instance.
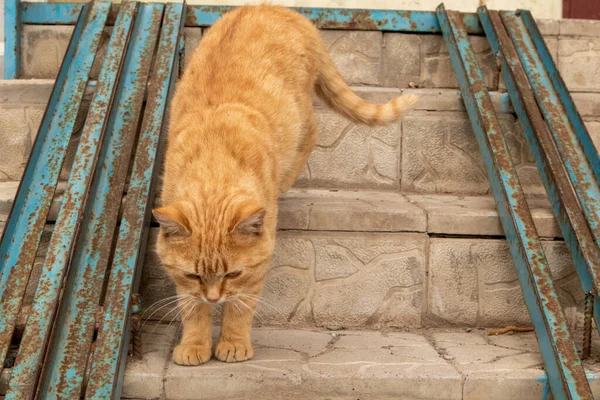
(587, 325)
(136, 327)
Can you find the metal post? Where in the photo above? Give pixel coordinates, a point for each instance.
(587, 325)
(12, 39)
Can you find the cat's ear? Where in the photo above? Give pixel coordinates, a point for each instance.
(250, 220)
(172, 220)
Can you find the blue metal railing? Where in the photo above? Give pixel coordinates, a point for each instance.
(21, 13)
(127, 117)
(565, 372)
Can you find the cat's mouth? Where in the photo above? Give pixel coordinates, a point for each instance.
(213, 301)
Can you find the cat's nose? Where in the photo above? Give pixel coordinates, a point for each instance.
(211, 300)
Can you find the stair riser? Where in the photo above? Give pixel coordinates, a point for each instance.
(376, 280)
(428, 152)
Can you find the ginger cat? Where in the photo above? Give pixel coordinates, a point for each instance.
(241, 131)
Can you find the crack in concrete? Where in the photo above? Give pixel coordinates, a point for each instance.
(330, 346)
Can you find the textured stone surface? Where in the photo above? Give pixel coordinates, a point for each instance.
(345, 365)
(478, 215)
(440, 155)
(311, 343)
(473, 282)
(271, 371)
(499, 367)
(192, 40)
(579, 63)
(401, 365)
(8, 190)
(354, 156)
(361, 278)
(444, 364)
(453, 286)
(401, 59)
(578, 27)
(594, 130)
(42, 50)
(588, 104)
(356, 54)
(514, 358)
(451, 100)
(18, 128)
(333, 279)
(548, 27)
(326, 210)
(143, 378)
(437, 70)
(26, 92)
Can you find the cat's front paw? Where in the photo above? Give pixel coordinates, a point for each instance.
(191, 354)
(234, 351)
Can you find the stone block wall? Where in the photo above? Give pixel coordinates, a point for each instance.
(432, 151)
(401, 280)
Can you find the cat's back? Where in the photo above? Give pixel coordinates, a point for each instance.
(249, 28)
(253, 42)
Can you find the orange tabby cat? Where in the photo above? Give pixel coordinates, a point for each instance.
(241, 131)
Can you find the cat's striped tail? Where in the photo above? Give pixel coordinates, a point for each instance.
(332, 89)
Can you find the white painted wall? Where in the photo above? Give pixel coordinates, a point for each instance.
(2, 25)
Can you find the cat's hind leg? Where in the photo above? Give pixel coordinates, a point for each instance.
(306, 147)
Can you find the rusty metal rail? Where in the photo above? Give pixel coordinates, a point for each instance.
(565, 372)
(26, 221)
(565, 156)
(567, 209)
(57, 350)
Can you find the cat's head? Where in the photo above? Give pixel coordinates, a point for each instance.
(215, 255)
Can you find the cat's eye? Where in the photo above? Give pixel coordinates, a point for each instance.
(191, 275)
(232, 275)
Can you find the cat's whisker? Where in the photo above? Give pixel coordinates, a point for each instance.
(185, 311)
(167, 304)
(192, 307)
(170, 311)
(262, 301)
(161, 301)
(174, 302)
(253, 311)
(180, 312)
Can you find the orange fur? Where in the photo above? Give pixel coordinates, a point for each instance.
(241, 131)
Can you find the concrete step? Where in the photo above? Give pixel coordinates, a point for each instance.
(371, 211)
(425, 364)
(372, 260)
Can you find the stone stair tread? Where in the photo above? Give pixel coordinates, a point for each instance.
(346, 210)
(38, 90)
(425, 364)
(373, 211)
(478, 215)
